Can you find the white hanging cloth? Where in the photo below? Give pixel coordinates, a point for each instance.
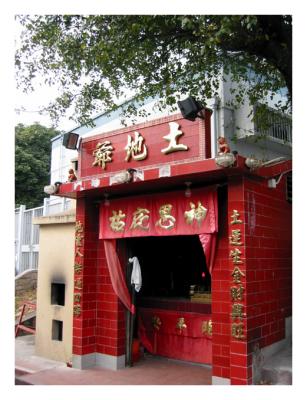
(136, 275)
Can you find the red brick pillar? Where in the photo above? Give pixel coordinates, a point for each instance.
(220, 300)
(84, 309)
(99, 317)
(231, 363)
(240, 355)
(111, 333)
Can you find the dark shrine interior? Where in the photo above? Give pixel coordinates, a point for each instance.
(169, 265)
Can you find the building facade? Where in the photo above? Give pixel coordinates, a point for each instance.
(211, 232)
(213, 242)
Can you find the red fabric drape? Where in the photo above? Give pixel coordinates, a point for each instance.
(116, 274)
(208, 242)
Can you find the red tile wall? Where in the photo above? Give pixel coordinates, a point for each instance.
(84, 326)
(110, 333)
(269, 265)
(100, 326)
(220, 296)
(266, 255)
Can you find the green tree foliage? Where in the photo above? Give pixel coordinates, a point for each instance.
(32, 163)
(96, 59)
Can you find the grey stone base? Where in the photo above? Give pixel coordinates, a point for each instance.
(216, 380)
(96, 359)
(261, 356)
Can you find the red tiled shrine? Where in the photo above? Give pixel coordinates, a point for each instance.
(132, 194)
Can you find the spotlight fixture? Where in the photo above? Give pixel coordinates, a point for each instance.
(70, 140)
(190, 108)
(188, 192)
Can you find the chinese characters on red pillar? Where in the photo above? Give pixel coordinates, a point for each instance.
(237, 290)
(78, 268)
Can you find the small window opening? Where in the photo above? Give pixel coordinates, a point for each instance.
(57, 330)
(58, 293)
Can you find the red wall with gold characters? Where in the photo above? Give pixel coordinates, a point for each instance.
(195, 135)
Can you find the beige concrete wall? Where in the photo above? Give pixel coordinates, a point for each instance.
(56, 260)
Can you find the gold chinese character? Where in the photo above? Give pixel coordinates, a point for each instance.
(181, 324)
(78, 284)
(77, 310)
(172, 137)
(195, 214)
(115, 221)
(78, 253)
(77, 297)
(235, 254)
(236, 292)
(140, 217)
(206, 327)
(156, 322)
(235, 220)
(166, 221)
(237, 274)
(237, 311)
(237, 330)
(78, 240)
(136, 148)
(78, 268)
(79, 227)
(235, 238)
(103, 154)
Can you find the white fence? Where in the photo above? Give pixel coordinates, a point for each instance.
(27, 234)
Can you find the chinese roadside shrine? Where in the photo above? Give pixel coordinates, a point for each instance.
(175, 254)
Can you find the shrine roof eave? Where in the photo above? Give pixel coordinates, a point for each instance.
(205, 172)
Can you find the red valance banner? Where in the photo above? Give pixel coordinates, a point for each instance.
(163, 214)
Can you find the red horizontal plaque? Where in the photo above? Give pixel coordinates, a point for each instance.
(170, 140)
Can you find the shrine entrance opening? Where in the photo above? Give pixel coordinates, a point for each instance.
(173, 307)
(170, 265)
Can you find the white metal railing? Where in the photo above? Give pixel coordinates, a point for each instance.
(279, 127)
(27, 234)
(54, 205)
(26, 238)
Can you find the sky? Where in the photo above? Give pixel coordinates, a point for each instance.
(32, 102)
(10, 99)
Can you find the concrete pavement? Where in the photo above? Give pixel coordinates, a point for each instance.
(33, 370)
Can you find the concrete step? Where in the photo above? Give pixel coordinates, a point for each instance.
(277, 370)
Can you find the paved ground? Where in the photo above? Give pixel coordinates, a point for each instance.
(34, 370)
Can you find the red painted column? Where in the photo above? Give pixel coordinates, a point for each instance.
(240, 357)
(111, 332)
(99, 317)
(231, 363)
(84, 313)
(220, 300)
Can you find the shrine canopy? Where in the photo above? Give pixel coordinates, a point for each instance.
(162, 214)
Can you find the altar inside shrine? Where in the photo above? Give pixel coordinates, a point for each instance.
(175, 334)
